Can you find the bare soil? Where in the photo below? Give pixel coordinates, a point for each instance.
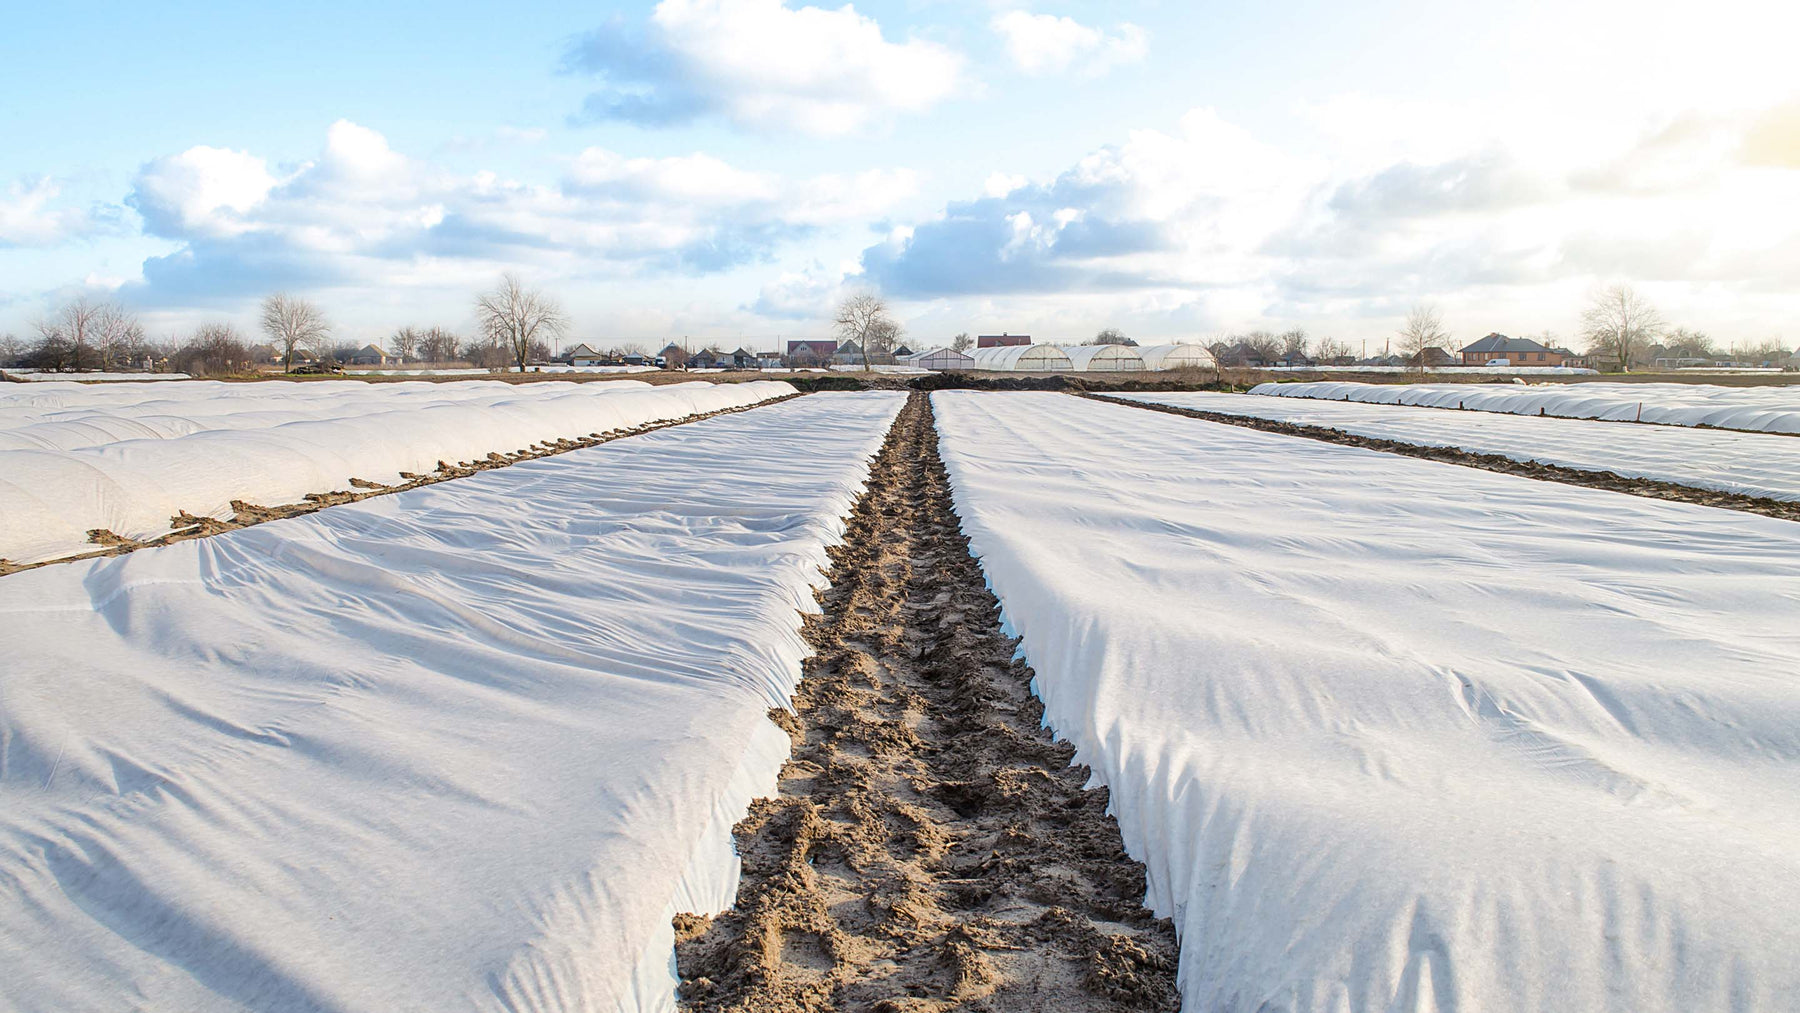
(931, 847)
(184, 525)
(1650, 488)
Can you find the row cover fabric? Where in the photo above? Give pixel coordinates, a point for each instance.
(1752, 464)
(70, 416)
(1395, 734)
(1771, 409)
(51, 499)
(466, 747)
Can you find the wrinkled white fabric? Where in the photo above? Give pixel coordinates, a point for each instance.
(458, 748)
(1391, 734)
(1770, 409)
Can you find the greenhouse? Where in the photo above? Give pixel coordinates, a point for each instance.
(1023, 359)
(940, 359)
(1104, 358)
(1178, 356)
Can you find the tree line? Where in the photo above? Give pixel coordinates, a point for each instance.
(515, 325)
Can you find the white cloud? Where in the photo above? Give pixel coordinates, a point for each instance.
(1235, 232)
(202, 191)
(761, 64)
(999, 184)
(29, 215)
(362, 214)
(1047, 44)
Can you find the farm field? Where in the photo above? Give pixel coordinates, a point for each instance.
(1749, 464)
(1006, 700)
(1389, 733)
(466, 746)
(135, 461)
(1773, 409)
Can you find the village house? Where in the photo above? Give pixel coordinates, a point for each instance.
(810, 353)
(1516, 352)
(367, 355)
(582, 355)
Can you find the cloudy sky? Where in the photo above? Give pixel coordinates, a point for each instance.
(728, 168)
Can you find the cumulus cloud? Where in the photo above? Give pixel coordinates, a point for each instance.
(1210, 215)
(363, 214)
(1158, 210)
(30, 215)
(759, 64)
(1047, 44)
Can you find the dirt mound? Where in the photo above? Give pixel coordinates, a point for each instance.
(931, 847)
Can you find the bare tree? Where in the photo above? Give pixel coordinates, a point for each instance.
(404, 344)
(1293, 342)
(1331, 349)
(961, 342)
(11, 348)
(1112, 336)
(214, 350)
(294, 324)
(1620, 321)
(1683, 342)
(1424, 328)
(1265, 346)
(517, 317)
(439, 345)
(863, 317)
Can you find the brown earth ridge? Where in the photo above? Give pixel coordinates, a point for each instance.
(931, 847)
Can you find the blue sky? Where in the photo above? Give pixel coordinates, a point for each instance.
(728, 168)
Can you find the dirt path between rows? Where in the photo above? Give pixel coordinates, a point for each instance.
(931, 847)
(1647, 487)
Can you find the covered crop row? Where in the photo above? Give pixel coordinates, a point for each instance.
(1749, 464)
(51, 499)
(1394, 734)
(1774, 409)
(465, 747)
(74, 416)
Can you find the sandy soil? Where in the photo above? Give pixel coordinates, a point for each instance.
(931, 847)
(185, 525)
(1650, 488)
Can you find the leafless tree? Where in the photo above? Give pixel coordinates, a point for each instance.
(404, 344)
(1620, 322)
(1265, 345)
(294, 324)
(11, 348)
(1424, 328)
(1293, 342)
(1683, 342)
(1331, 349)
(85, 332)
(215, 349)
(961, 342)
(514, 316)
(439, 345)
(862, 317)
(1112, 336)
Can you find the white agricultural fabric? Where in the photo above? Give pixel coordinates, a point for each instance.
(51, 499)
(1103, 358)
(465, 747)
(97, 376)
(1399, 735)
(27, 414)
(1177, 357)
(1751, 464)
(1758, 409)
(1023, 359)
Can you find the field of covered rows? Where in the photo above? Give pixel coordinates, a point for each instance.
(730, 714)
